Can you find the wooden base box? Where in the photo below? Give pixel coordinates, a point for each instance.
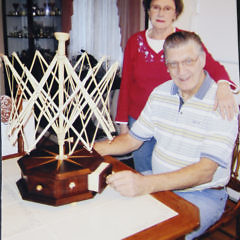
(48, 180)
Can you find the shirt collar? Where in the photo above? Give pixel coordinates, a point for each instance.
(202, 90)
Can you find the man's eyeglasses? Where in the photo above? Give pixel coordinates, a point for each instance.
(189, 62)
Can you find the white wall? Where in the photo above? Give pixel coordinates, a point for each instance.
(216, 23)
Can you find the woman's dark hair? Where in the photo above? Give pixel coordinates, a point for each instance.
(178, 4)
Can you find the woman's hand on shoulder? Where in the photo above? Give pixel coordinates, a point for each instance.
(225, 101)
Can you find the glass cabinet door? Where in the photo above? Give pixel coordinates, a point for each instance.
(16, 26)
(30, 25)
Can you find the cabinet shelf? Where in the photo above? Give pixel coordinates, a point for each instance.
(9, 15)
(18, 16)
(12, 15)
(16, 37)
(34, 37)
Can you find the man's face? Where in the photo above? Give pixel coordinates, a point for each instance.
(185, 64)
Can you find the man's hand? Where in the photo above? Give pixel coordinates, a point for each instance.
(131, 184)
(225, 101)
(128, 183)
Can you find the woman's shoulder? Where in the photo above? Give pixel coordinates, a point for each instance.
(179, 30)
(137, 40)
(137, 35)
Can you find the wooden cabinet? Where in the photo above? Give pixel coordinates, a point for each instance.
(30, 25)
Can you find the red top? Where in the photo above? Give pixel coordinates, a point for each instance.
(143, 70)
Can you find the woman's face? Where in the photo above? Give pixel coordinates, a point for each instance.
(162, 13)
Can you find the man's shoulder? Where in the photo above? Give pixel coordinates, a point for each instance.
(164, 87)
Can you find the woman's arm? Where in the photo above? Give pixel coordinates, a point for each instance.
(124, 128)
(225, 100)
(126, 79)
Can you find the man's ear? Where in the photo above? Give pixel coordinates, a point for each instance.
(203, 59)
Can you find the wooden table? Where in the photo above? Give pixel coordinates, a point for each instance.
(175, 228)
(23, 219)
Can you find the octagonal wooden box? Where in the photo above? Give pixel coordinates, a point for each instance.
(47, 180)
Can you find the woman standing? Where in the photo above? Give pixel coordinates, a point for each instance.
(144, 69)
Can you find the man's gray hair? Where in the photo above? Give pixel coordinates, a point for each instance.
(181, 37)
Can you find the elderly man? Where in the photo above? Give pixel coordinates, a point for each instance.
(192, 155)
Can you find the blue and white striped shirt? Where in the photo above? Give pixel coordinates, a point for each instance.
(185, 132)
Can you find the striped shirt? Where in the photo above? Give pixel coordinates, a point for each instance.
(185, 132)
